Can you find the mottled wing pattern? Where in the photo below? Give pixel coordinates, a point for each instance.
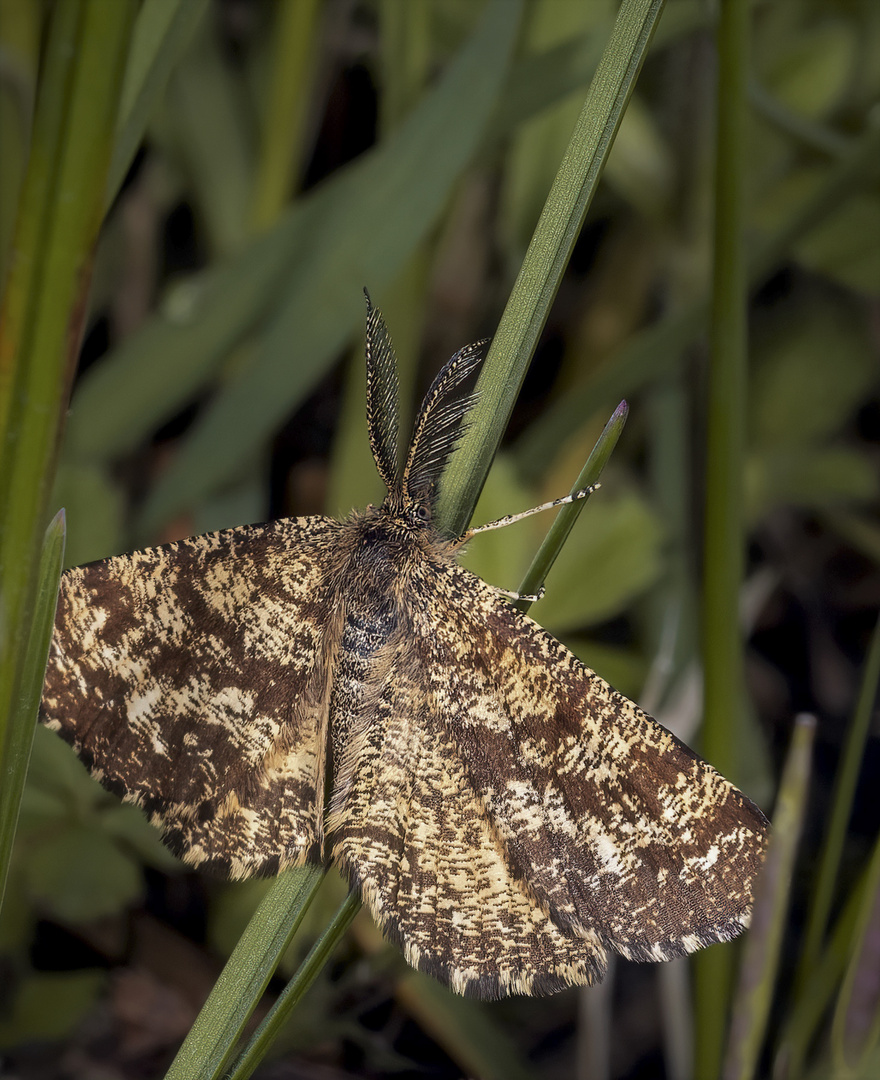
(192, 679)
(413, 835)
(620, 830)
(510, 818)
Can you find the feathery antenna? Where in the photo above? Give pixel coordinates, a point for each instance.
(440, 422)
(383, 404)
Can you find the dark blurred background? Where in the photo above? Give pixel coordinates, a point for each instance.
(220, 382)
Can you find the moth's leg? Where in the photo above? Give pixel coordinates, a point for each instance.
(509, 519)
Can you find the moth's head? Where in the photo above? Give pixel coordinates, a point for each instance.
(410, 513)
(390, 536)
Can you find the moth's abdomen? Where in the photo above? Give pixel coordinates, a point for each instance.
(362, 638)
(357, 682)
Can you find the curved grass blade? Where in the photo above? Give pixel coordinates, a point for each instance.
(827, 874)
(291, 995)
(568, 515)
(855, 1029)
(209, 1046)
(805, 1018)
(548, 253)
(764, 941)
(285, 123)
(22, 720)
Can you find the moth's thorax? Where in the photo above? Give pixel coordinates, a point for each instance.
(391, 554)
(390, 551)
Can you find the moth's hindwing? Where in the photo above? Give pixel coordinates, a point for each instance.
(192, 679)
(413, 835)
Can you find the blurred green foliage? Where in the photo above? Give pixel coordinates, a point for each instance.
(217, 360)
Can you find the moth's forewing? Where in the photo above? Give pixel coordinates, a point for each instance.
(192, 680)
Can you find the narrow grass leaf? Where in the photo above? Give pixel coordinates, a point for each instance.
(811, 1002)
(855, 1030)
(548, 253)
(283, 130)
(754, 994)
(827, 874)
(33, 221)
(320, 953)
(22, 721)
(568, 515)
(211, 1042)
(723, 524)
(208, 118)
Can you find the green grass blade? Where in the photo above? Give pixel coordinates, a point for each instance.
(406, 57)
(22, 721)
(724, 535)
(209, 1046)
(764, 942)
(45, 296)
(284, 126)
(551, 245)
(162, 31)
(568, 515)
(290, 996)
(841, 807)
(33, 219)
(812, 1001)
(855, 1029)
(207, 118)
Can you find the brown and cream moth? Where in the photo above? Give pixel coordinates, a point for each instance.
(318, 689)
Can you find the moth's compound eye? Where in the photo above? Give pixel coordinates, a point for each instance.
(422, 513)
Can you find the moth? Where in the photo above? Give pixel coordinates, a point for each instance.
(316, 689)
